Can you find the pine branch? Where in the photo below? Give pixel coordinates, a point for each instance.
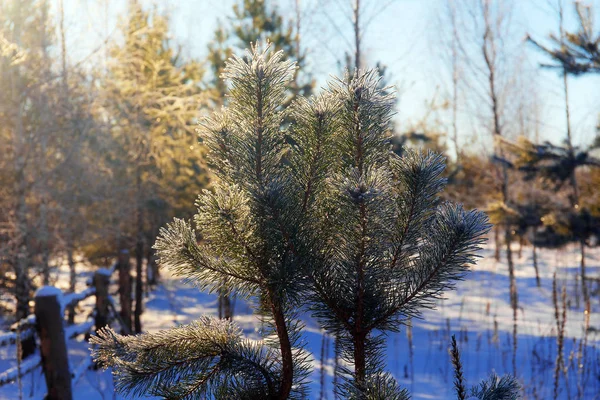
(177, 249)
(216, 134)
(366, 111)
(495, 388)
(314, 125)
(257, 91)
(420, 179)
(449, 247)
(379, 386)
(459, 380)
(205, 358)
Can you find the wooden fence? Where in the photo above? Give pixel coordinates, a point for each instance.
(47, 326)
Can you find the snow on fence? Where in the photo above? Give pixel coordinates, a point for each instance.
(47, 324)
(25, 367)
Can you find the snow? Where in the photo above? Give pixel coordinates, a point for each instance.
(478, 313)
(11, 337)
(79, 329)
(106, 271)
(83, 366)
(73, 298)
(46, 291)
(26, 365)
(8, 338)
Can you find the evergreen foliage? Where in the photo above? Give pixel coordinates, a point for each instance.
(497, 388)
(553, 166)
(153, 99)
(154, 96)
(577, 53)
(340, 220)
(390, 248)
(257, 21)
(493, 388)
(206, 358)
(459, 379)
(254, 21)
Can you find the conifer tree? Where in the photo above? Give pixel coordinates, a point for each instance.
(31, 141)
(391, 248)
(153, 99)
(575, 54)
(247, 225)
(254, 21)
(341, 221)
(578, 52)
(258, 21)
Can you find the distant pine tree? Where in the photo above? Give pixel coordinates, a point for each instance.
(576, 53)
(152, 98)
(258, 21)
(340, 221)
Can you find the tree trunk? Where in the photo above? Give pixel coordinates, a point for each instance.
(225, 304)
(497, 243)
(151, 268)
(101, 283)
(514, 300)
(287, 373)
(139, 259)
(44, 240)
(535, 260)
(21, 255)
(227, 307)
(360, 360)
(22, 286)
(124, 268)
(72, 277)
(584, 288)
(356, 25)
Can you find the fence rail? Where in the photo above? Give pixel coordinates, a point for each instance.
(47, 325)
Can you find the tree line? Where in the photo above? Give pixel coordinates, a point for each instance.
(96, 160)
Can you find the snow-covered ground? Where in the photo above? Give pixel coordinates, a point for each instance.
(478, 313)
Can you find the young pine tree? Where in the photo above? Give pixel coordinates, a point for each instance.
(388, 248)
(335, 217)
(254, 21)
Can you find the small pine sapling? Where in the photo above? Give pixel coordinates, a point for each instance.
(388, 247)
(322, 212)
(494, 388)
(250, 225)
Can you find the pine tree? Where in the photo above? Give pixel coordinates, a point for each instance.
(258, 21)
(578, 52)
(29, 132)
(391, 248)
(153, 98)
(253, 21)
(573, 54)
(341, 220)
(219, 51)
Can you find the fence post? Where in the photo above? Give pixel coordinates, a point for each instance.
(124, 268)
(101, 282)
(53, 346)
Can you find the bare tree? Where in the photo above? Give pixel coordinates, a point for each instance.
(565, 68)
(482, 47)
(350, 20)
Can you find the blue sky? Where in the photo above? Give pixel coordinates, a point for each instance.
(405, 36)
